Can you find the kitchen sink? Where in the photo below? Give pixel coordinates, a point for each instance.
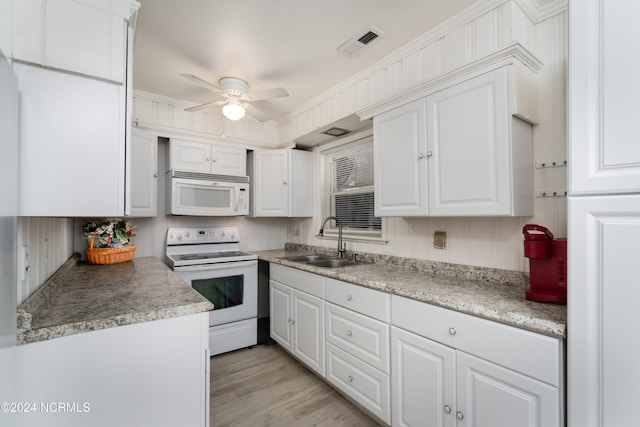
(308, 258)
(326, 261)
(333, 263)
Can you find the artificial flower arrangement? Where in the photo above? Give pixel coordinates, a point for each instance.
(109, 242)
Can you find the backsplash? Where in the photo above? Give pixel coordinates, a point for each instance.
(466, 272)
(48, 242)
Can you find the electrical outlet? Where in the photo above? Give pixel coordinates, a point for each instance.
(440, 240)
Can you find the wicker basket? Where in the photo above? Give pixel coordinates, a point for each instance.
(109, 255)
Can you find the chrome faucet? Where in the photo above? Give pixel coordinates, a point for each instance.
(342, 250)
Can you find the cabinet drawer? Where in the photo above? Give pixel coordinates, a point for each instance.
(535, 355)
(306, 282)
(363, 383)
(357, 298)
(364, 337)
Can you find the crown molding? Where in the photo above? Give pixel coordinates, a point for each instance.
(504, 57)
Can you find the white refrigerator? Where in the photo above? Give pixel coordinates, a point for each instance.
(8, 229)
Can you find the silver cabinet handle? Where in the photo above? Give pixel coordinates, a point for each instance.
(293, 322)
(348, 297)
(208, 159)
(421, 156)
(155, 175)
(452, 331)
(429, 153)
(349, 333)
(447, 409)
(350, 378)
(459, 415)
(284, 182)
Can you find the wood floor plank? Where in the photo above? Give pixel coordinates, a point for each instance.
(264, 386)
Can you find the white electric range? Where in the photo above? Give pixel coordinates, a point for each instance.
(209, 260)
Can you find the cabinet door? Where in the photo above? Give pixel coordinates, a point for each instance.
(603, 87)
(72, 154)
(400, 161)
(271, 194)
(469, 170)
(190, 156)
(489, 395)
(280, 309)
(144, 174)
(71, 35)
(423, 381)
(228, 161)
(308, 330)
(603, 367)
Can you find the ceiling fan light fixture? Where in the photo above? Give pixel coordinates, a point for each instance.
(233, 110)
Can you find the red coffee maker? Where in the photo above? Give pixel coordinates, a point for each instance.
(547, 265)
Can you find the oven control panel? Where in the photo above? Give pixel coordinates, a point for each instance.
(177, 236)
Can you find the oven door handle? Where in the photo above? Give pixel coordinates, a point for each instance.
(218, 266)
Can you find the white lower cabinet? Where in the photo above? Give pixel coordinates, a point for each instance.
(357, 334)
(423, 374)
(514, 377)
(409, 363)
(297, 318)
(151, 373)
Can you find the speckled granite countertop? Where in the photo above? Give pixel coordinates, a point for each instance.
(82, 297)
(497, 295)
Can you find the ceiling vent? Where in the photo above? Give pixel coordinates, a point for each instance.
(335, 131)
(359, 41)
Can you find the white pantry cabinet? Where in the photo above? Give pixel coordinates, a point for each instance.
(457, 152)
(603, 89)
(144, 174)
(449, 367)
(204, 157)
(151, 373)
(297, 314)
(281, 183)
(604, 213)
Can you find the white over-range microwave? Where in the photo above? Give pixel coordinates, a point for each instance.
(201, 194)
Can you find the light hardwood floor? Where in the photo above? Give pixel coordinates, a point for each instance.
(264, 386)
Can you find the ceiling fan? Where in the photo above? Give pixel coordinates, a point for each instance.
(233, 97)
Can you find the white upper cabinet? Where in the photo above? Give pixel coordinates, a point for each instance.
(144, 174)
(72, 35)
(193, 156)
(480, 157)
(456, 152)
(73, 78)
(400, 161)
(281, 183)
(603, 125)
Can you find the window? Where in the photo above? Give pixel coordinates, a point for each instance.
(348, 190)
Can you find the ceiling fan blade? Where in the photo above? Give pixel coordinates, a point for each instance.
(259, 95)
(255, 113)
(201, 82)
(204, 106)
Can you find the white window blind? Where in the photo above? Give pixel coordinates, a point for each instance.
(348, 189)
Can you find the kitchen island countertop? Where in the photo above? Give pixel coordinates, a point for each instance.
(501, 301)
(82, 297)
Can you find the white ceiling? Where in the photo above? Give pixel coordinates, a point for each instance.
(291, 44)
